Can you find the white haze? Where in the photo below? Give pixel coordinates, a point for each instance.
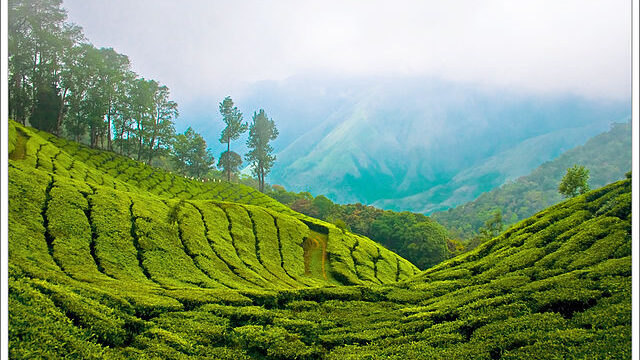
(209, 49)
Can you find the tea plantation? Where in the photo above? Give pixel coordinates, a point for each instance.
(110, 258)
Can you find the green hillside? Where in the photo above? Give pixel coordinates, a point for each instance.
(106, 261)
(607, 156)
(248, 231)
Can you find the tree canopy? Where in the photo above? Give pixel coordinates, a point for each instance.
(191, 155)
(415, 237)
(61, 83)
(574, 182)
(261, 132)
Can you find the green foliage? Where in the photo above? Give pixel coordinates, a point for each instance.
(230, 162)
(261, 131)
(414, 236)
(47, 108)
(232, 117)
(60, 83)
(190, 154)
(574, 182)
(340, 224)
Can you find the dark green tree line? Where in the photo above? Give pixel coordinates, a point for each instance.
(60, 83)
(416, 237)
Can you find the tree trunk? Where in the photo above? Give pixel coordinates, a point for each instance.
(228, 169)
(109, 127)
(61, 112)
(128, 142)
(139, 141)
(153, 140)
(120, 135)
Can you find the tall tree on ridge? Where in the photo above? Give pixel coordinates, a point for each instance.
(261, 131)
(115, 68)
(161, 128)
(235, 127)
(124, 113)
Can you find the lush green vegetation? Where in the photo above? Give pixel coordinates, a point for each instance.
(113, 259)
(607, 156)
(107, 172)
(414, 236)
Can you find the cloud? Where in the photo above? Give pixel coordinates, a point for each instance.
(211, 49)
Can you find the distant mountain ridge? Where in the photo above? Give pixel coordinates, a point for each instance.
(607, 156)
(422, 145)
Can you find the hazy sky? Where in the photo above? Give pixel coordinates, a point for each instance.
(210, 48)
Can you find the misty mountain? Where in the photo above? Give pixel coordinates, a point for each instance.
(417, 144)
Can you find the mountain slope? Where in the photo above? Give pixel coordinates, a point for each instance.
(557, 285)
(608, 156)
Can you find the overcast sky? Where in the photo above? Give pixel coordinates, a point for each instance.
(208, 48)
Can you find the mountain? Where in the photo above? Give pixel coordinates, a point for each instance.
(607, 156)
(418, 144)
(111, 259)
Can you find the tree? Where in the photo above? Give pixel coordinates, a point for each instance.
(235, 127)
(191, 155)
(160, 128)
(323, 205)
(124, 114)
(35, 29)
(230, 162)
(261, 131)
(142, 100)
(492, 228)
(46, 110)
(574, 181)
(114, 71)
(39, 40)
(60, 83)
(418, 238)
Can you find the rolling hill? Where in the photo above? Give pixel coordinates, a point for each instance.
(229, 215)
(113, 259)
(607, 156)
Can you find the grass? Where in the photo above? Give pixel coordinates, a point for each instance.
(112, 259)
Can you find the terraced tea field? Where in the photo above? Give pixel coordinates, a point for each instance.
(110, 258)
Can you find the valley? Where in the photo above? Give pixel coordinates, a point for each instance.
(113, 259)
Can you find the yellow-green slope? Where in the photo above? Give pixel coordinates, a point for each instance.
(104, 217)
(98, 270)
